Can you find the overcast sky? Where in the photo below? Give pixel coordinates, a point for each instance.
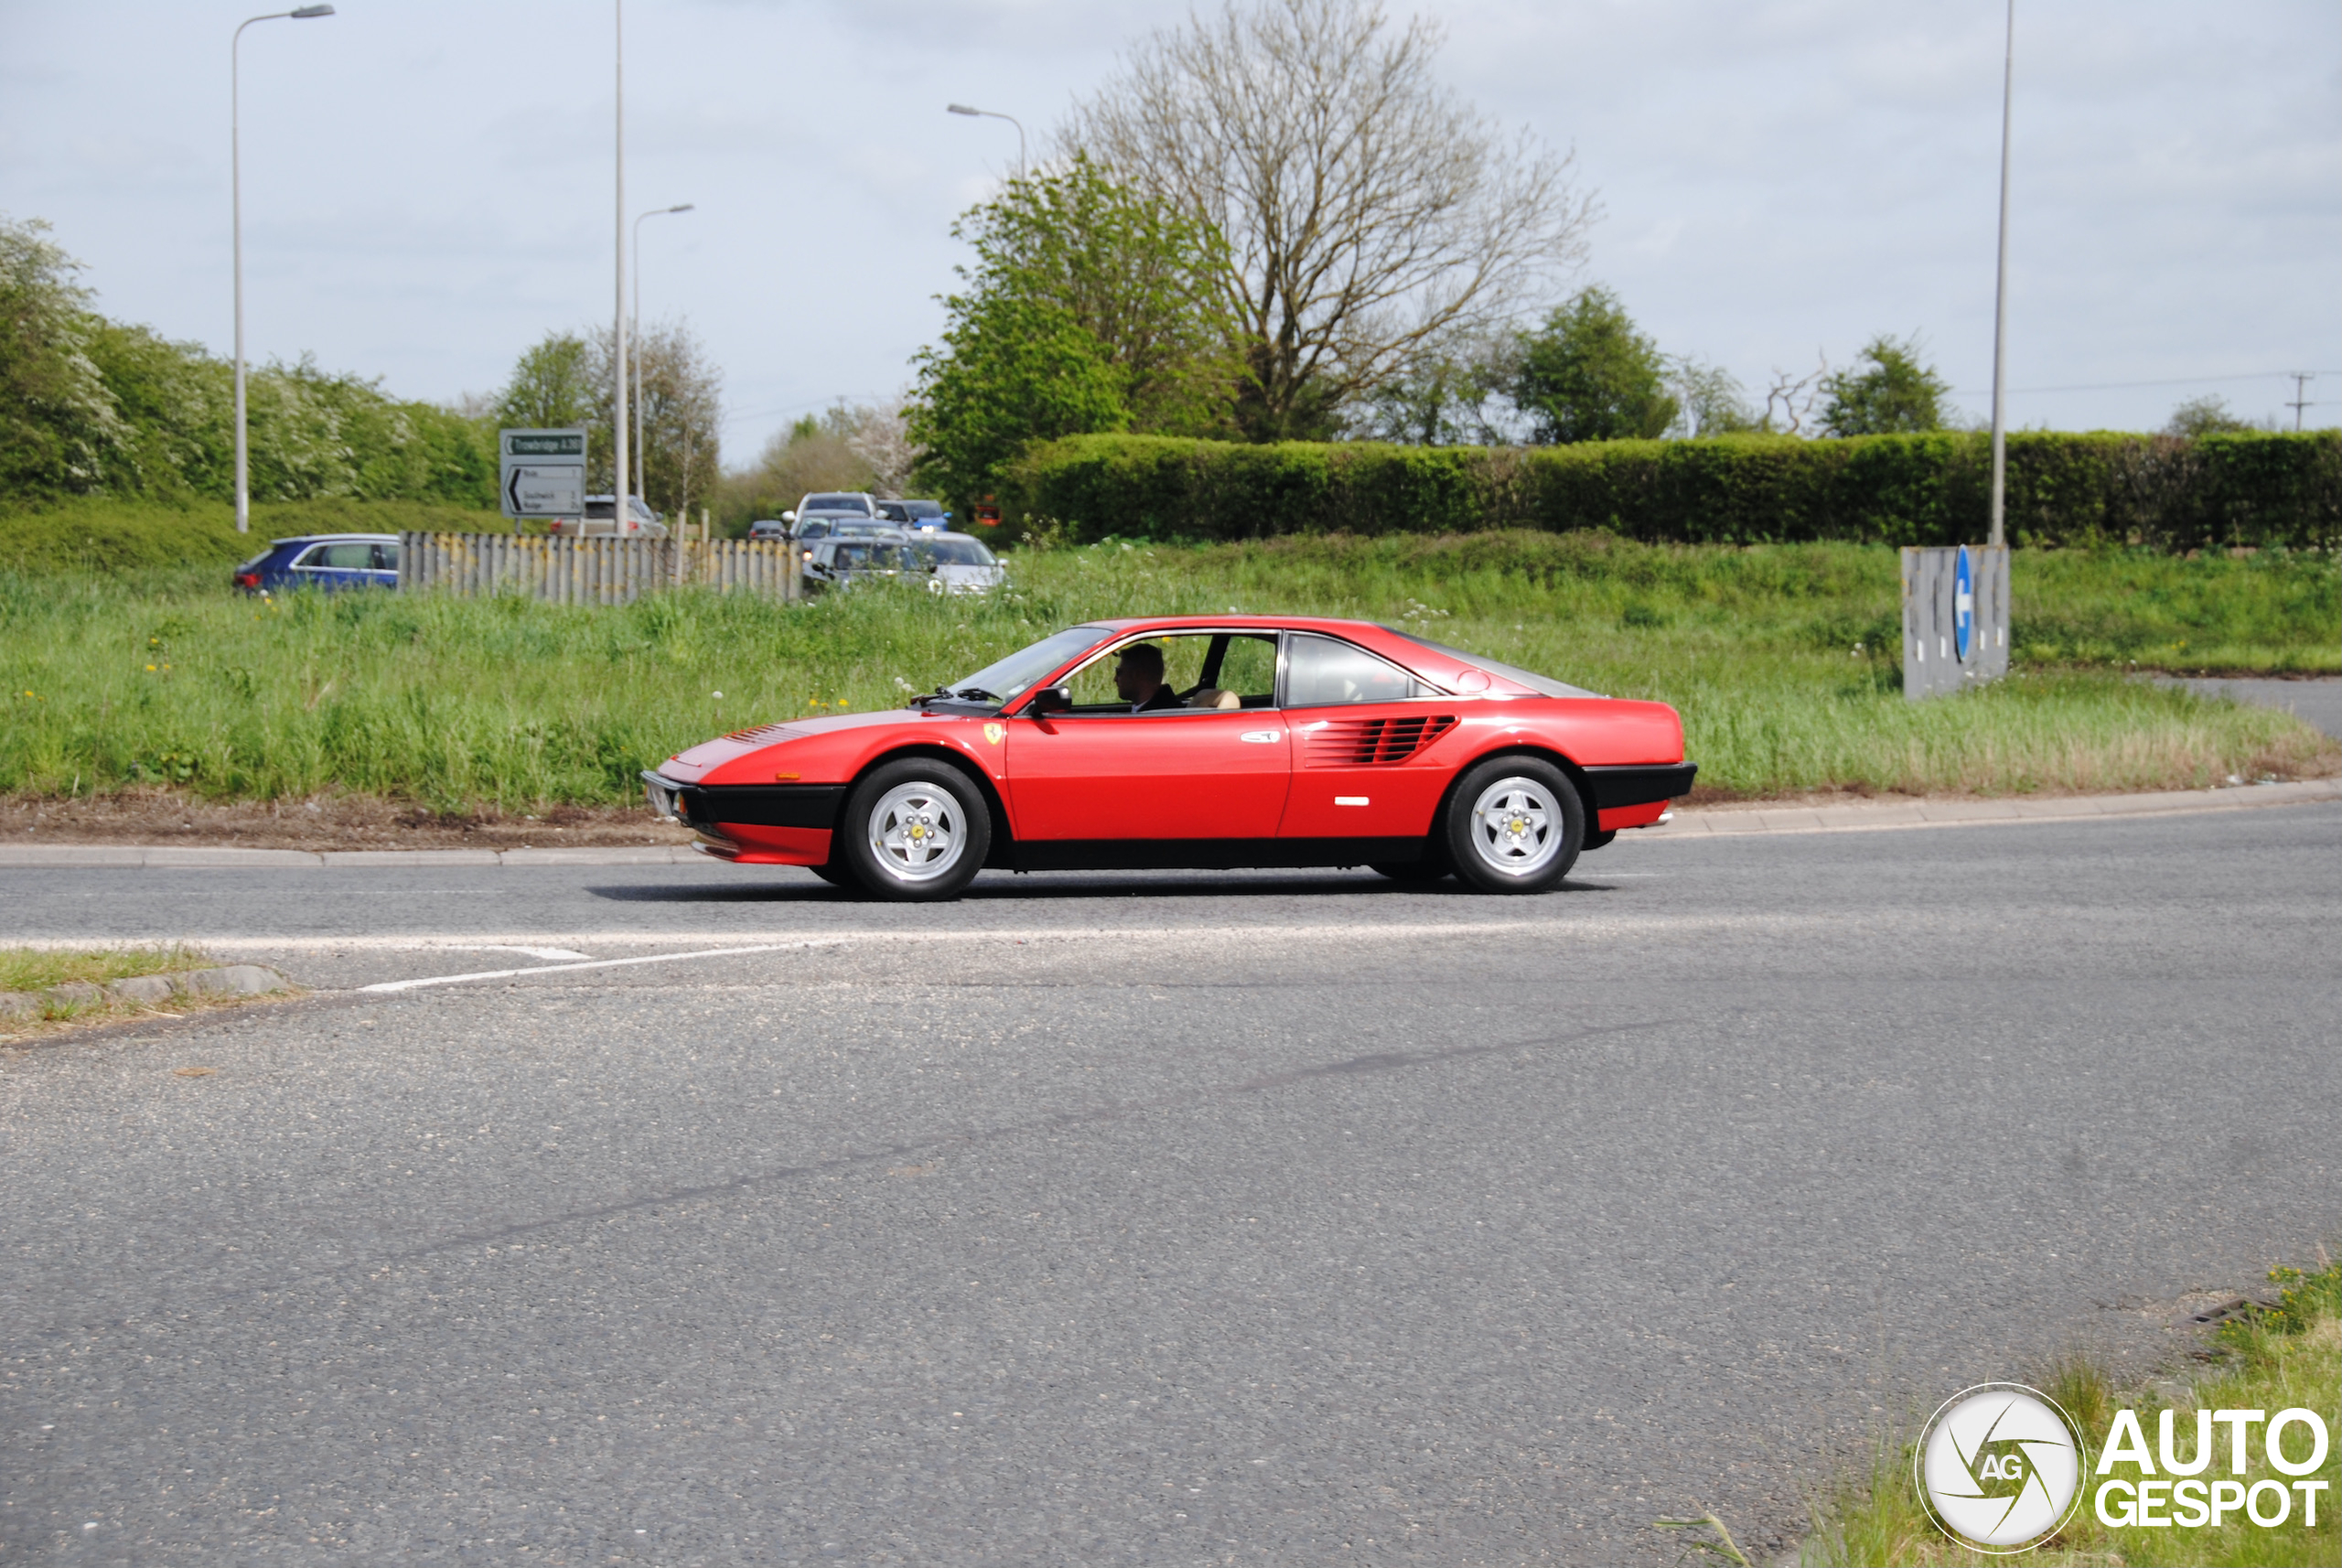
(428, 184)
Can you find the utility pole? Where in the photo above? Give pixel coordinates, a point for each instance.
(620, 515)
(2001, 305)
(2301, 394)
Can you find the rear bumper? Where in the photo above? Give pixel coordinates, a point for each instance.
(1641, 784)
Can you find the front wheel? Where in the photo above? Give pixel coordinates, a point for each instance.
(1514, 825)
(1415, 872)
(914, 830)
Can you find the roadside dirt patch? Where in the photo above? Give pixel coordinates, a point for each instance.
(321, 822)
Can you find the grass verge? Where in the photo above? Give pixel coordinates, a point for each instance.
(36, 970)
(1782, 659)
(115, 537)
(2268, 1361)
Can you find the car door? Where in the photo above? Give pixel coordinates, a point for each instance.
(1103, 773)
(1365, 739)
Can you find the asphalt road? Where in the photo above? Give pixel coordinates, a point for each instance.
(1158, 1220)
(2317, 701)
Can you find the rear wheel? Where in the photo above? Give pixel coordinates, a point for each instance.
(914, 830)
(835, 874)
(1514, 825)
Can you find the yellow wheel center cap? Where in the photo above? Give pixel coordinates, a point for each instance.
(918, 832)
(1520, 824)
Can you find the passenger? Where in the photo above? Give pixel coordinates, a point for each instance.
(1138, 678)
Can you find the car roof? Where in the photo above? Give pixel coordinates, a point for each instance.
(334, 539)
(1245, 623)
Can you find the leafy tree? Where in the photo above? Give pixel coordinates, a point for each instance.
(1708, 400)
(58, 427)
(555, 386)
(1457, 393)
(1089, 307)
(831, 451)
(1588, 375)
(1888, 392)
(2208, 416)
(565, 380)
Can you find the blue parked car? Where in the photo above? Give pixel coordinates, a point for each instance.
(322, 561)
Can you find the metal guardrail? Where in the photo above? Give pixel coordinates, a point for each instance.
(592, 571)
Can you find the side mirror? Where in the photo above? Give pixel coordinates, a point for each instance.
(788, 517)
(1050, 699)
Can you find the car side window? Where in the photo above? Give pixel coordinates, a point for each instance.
(1203, 671)
(1324, 672)
(344, 557)
(315, 555)
(386, 558)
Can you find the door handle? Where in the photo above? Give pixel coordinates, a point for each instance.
(1263, 736)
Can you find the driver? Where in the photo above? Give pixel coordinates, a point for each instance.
(1138, 679)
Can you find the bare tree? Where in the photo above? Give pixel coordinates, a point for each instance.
(1792, 398)
(1367, 213)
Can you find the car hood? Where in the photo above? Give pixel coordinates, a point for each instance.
(690, 766)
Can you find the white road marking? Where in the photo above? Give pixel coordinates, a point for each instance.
(565, 968)
(526, 952)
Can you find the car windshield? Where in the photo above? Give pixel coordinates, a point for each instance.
(850, 504)
(1530, 679)
(860, 558)
(922, 509)
(952, 553)
(1011, 677)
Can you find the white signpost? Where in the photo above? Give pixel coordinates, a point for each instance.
(543, 473)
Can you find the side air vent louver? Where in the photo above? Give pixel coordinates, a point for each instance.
(1367, 743)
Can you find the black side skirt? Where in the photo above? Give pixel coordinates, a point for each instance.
(1203, 854)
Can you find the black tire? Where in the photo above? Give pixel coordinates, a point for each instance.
(885, 842)
(1533, 845)
(1427, 870)
(836, 875)
(1595, 841)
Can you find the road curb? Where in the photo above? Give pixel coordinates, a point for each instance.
(1869, 816)
(170, 857)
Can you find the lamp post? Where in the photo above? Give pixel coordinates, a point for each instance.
(994, 114)
(641, 454)
(619, 490)
(2001, 302)
(236, 204)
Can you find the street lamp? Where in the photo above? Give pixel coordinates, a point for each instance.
(2001, 302)
(641, 454)
(236, 203)
(619, 514)
(993, 114)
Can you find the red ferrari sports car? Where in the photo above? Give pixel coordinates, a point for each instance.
(1200, 742)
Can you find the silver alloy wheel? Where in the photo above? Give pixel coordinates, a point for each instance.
(916, 832)
(1517, 826)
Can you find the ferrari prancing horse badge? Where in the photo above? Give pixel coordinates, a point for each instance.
(993, 733)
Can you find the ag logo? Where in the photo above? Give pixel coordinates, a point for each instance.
(993, 733)
(2000, 1467)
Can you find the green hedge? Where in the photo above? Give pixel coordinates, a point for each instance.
(2170, 493)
